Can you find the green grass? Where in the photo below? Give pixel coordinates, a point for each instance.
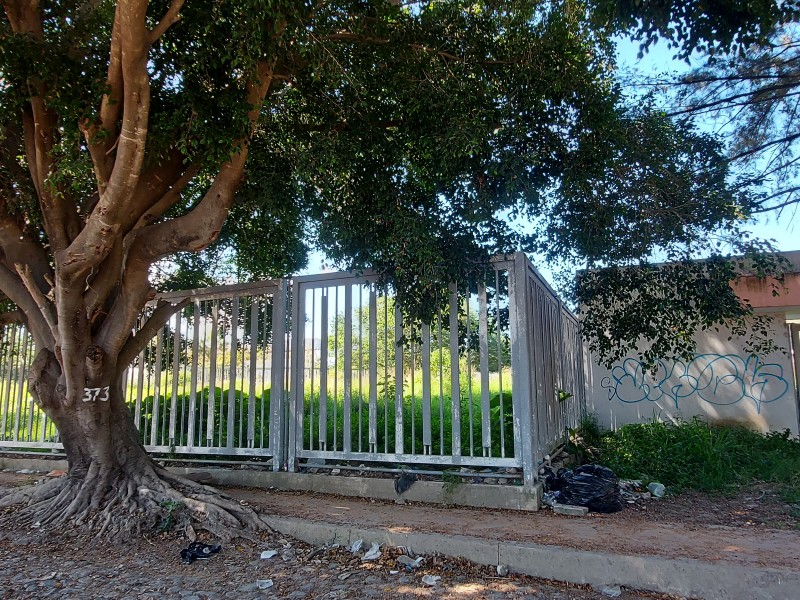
(693, 455)
(441, 422)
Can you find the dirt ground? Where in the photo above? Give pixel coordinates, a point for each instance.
(679, 527)
(752, 527)
(37, 565)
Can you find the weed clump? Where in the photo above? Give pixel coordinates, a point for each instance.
(694, 455)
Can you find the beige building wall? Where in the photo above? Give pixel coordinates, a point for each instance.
(722, 383)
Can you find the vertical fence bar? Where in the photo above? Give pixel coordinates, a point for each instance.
(441, 379)
(412, 378)
(265, 344)
(139, 388)
(322, 441)
(311, 372)
(524, 440)
(348, 368)
(176, 363)
(500, 363)
(469, 374)
(360, 361)
(18, 360)
(296, 397)
(229, 441)
(426, 389)
(251, 401)
(212, 376)
(277, 442)
(21, 364)
(398, 380)
(455, 382)
(157, 388)
(336, 369)
(373, 369)
(190, 432)
(8, 363)
(386, 374)
(147, 405)
(483, 351)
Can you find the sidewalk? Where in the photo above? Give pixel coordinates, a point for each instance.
(631, 550)
(671, 546)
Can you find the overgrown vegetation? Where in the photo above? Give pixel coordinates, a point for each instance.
(694, 455)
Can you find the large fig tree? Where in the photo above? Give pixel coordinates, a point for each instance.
(414, 138)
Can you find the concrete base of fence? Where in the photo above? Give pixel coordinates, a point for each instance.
(511, 497)
(682, 576)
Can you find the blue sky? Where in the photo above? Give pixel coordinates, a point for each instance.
(784, 228)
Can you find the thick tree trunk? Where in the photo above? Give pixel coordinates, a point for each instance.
(113, 485)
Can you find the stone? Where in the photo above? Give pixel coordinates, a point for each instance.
(571, 510)
(502, 570)
(374, 553)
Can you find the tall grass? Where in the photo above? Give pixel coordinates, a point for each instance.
(696, 455)
(470, 423)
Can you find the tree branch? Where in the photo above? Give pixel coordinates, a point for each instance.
(101, 136)
(171, 17)
(12, 286)
(167, 200)
(190, 232)
(94, 243)
(157, 320)
(44, 304)
(197, 229)
(19, 248)
(12, 316)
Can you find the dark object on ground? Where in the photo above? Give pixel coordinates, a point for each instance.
(404, 482)
(593, 486)
(199, 551)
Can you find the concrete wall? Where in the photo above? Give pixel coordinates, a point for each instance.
(722, 384)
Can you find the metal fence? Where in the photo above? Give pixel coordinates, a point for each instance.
(328, 368)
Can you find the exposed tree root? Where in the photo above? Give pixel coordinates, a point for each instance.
(117, 504)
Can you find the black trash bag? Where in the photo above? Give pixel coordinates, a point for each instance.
(593, 486)
(553, 481)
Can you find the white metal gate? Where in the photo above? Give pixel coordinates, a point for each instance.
(329, 369)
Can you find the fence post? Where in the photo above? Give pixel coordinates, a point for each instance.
(277, 393)
(521, 374)
(297, 372)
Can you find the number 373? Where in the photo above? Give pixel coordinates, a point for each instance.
(94, 394)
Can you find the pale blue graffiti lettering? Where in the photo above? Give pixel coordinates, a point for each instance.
(714, 378)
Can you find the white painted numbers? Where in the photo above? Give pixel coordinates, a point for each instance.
(94, 394)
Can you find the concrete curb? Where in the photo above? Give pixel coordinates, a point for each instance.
(683, 577)
(509, 497)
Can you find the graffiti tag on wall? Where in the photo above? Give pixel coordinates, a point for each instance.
(714, 378)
